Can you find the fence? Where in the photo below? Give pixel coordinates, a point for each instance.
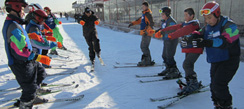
(125, 11)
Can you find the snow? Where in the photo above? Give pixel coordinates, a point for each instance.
(108, 87)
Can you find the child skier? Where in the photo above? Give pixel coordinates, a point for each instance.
(183, 30)
(52, 22)
(221, 38)
(170, 46)
(21, 59)
(146, 22)
(88, 21)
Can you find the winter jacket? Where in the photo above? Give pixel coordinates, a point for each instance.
(184, 30)
(169, 22)
(17, 43)
(89, 26)
(225, 37)
(146, 22)
(33, 27)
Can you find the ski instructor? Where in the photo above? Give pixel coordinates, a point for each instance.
(88, 21)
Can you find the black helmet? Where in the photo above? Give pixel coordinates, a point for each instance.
(15, 5)
(166, 10)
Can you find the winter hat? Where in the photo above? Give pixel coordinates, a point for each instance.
(87, 10)
(146, 4)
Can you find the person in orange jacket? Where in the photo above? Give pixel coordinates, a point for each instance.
(146, 30)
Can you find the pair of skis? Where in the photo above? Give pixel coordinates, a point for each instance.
(132, 65)
(156, 80)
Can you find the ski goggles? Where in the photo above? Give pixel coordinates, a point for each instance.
(205, 12)
(160, 11)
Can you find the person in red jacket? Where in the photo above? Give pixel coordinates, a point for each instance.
(184, 30)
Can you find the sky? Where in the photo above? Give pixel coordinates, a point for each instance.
(55, 5)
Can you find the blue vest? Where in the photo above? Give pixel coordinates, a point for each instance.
(216, 54)
(143, 22)
(7, 49)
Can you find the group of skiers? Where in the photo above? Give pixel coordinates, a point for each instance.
(219, 36)
(27, 48)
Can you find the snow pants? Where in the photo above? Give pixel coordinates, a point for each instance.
(58, 36)
(169, 50)
(94, 44)
(188, 65)
(221, 74)
(29, 75)
(145, 42)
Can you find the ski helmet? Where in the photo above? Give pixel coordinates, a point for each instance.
(40, 15)
(211, 7)
(15, 5)
(166, 10)
(47, 9)
(34, 6)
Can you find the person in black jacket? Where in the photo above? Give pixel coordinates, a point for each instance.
(88, 21)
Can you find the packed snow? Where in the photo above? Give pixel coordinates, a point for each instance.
(109, 87)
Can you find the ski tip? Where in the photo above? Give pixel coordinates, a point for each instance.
(160, 107)
(77, 85)
(137, 76)
(152, 100)
(141, 81)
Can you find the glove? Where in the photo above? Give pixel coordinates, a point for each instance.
(34, 36)
(43, 59)
(50, 38)
(142, 32)
(96, 22)
(158, 34)
(184, 43)
(82, 22)
(200, 42)
(130, 25)
(60, 22)
(59, 45)
(150, 31)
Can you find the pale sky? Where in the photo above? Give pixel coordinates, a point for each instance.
(55, 5)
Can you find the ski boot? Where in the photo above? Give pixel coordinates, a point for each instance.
(173, 73)
(165, 71)
(192, 85)
(53, 52)
(145, 61)
(39, 100)
(41, 91)
(24, 105)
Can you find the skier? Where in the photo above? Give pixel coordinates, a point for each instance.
(221, 38)
(88, 21)
(35, 27)
(61, 14)
(171, 71)
(21, 59)
(66, 16)
(183, 30)
(52, 22)
(146, 22)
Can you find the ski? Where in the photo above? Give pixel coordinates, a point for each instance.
(63, 60)
(68, 99)
(56, 66)
(178, 99)
(144, 76)
(101, 61)
(156, 80)
(133, 66)
(176, 96)
(43, 85)
(68, 72)
(118, 63)
(58, 56)
(52, 90)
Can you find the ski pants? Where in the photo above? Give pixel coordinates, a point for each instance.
(188, 64)
(169, 50)
(58, 36)
(145, 42)
(221, 74)
(29, 75)
(94, 44)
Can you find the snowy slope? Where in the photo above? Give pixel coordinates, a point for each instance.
(108, 87)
